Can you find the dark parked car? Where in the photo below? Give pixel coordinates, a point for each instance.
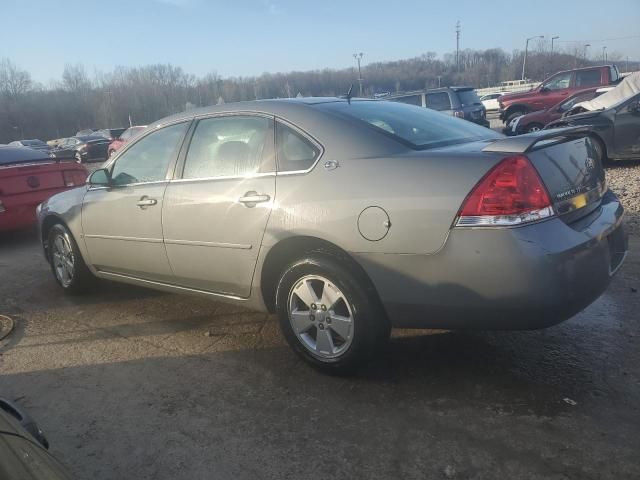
(461, 102)
(615, 129)
(110, 133)
(35, 144)
(534, 121)
(23, 448)
(83, 149)
(556, 88)
(346, 217)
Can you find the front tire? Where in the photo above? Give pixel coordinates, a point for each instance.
(66, 261)
(516, 113)
(534, 127)
(328, 316)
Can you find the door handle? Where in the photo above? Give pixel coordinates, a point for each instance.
(145, 202)
(251, 198)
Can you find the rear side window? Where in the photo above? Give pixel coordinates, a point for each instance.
(468, 97)
(420, 128)
(588, 78)
(228, 146)
(438, 101)
(149, 159)
(410, 100)
(294, 152)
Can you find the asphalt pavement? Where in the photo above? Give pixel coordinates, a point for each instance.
(134, 384)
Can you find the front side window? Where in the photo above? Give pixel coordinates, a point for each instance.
(559, 82)
(148, 159)
(228, 146)
(438, 101)
(582, 97)
(588, 78)
(295, 152)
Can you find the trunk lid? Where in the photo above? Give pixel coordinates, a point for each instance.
(21, 179)
(568, 163)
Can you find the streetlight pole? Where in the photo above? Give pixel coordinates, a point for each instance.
(358, 57)
(604, 54)
(526, 48)
(586, 45)
(552, 39)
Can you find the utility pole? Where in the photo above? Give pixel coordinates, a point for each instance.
(358, 57)
(604, 54)
(439, 78)
(586, 45)
(458, 30)
(526, 48)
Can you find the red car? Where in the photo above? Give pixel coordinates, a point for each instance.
(534, 121)
(29, 177)
(555, 89)
(127, 135)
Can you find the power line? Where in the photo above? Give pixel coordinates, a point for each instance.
(599, 41)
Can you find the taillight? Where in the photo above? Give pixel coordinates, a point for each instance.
(73, 178)
(511, 193)
(458, 113)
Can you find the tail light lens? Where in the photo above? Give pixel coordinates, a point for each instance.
(512, 193)
(458, 113)
(73, 178)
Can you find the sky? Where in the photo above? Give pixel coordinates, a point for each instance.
(249, 37)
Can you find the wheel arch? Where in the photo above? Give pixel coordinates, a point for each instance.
(45, 227)
(517, 106)
(290, 249)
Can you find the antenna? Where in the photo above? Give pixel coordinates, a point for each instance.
(348, 94)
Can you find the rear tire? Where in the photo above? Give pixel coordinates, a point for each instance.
(328, 316)
(67, 264)
(601, 151)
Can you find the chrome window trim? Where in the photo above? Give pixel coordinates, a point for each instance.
(226, 177)
(304, 134)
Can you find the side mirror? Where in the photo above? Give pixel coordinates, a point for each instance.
(100, 178)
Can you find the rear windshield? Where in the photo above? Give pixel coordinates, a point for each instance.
(418, 127)
(468, 97)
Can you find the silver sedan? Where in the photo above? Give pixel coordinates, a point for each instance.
(347, 217)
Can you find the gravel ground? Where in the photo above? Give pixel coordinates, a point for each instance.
(624, 179)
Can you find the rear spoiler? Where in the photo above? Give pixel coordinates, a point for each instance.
(525, 143)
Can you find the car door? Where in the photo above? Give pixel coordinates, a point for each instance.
(122, 223)
(215, 215)
(626, 129)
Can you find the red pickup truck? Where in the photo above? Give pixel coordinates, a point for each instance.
(556, 88)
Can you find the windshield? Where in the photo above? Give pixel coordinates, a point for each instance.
(468, 97)
(418, 127)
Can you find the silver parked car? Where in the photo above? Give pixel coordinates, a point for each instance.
(347, 217)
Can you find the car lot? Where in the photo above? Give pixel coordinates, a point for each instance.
(131, 383)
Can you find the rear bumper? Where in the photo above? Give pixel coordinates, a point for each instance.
(509, 278)
(18, 218)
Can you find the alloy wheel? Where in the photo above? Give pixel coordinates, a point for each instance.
(63, 260)
(320, 316)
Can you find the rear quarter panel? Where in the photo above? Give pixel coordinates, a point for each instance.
(421, 193)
